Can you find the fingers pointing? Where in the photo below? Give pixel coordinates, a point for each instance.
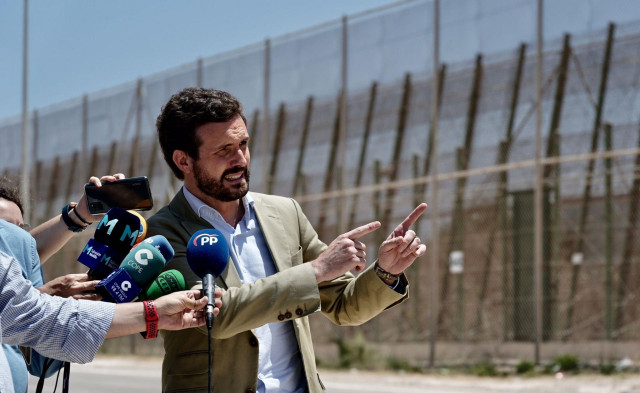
(362, 230)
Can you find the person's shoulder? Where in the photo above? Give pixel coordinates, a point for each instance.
(170, 212)
(20, 245)
(16, 233)
(284, 207)
(272, 199)
(162, 214)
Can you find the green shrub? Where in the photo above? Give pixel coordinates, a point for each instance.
(396, 364)
(484, 369)
(356, 353)
(566, 362)
(525, 366)
(607, 369)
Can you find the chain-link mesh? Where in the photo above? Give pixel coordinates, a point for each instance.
(485, 273)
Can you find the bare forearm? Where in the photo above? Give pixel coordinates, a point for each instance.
(128, 319)
(50, 237)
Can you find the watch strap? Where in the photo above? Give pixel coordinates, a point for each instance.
(71, 225)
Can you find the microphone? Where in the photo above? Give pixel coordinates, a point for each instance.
(143, 226)
(136, 271)
(166, 283)
(115, 234)
(161, 244)
(118, 229)
(208, 255)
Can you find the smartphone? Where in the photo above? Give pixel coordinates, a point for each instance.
(131, 194)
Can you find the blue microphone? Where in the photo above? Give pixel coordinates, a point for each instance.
(208, 255)
(161, 244)
(116, 233)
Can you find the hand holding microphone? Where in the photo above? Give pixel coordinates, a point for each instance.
(184, 309)
(208, 255)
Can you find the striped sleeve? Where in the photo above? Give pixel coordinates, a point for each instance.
(60, 328)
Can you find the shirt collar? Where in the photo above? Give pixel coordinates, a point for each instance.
(203, 210)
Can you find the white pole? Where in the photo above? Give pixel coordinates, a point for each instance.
(26, 161)
(433, 203)
(538, 241)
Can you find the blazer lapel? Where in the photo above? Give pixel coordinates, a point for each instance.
(273, 230)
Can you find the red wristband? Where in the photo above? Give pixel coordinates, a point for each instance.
(151, 318)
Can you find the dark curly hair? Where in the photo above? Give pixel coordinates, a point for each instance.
(10, 191)
(187, 110)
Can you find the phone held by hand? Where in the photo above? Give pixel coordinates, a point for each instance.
(131, 194)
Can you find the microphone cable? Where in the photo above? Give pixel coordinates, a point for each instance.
(65, 377)
(47, 363)
(210, 360)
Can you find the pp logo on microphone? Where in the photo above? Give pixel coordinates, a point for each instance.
(205, 238)
(126, 285)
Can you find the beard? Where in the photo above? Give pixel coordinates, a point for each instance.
(216, 189)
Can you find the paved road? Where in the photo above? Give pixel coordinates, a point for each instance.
(129, 375)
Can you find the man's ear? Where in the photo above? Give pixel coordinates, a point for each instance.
(183, 161)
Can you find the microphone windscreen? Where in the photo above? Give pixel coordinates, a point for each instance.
(143, 263)
(166, 283)
(207, 252)
(161, 244)
(118, 229)
(143, 226)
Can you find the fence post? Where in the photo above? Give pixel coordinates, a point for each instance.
(586, 197)
(363, 151)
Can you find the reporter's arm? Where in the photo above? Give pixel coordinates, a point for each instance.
(178, 310)
(54, 233)
(73, 330)
(51, 236)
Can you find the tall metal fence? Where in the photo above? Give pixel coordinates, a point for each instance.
(292, 89)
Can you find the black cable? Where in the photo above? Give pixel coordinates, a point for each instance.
(45, 366)
(65, 377)
(210, 360)
(55, 387)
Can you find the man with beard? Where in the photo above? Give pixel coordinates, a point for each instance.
(279, 271)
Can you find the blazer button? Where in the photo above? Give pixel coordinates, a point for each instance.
(299, 312)
(287, 315)
(280, 317)
(253, 342)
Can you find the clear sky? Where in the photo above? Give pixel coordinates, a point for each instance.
(80, 46)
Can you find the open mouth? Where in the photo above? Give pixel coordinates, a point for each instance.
(234, 176)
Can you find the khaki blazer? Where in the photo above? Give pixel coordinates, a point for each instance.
(289, 295)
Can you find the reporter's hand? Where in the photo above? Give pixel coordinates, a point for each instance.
(78, 286)
(346, 252)
(184, 309)
(83, 208)
(402, 246)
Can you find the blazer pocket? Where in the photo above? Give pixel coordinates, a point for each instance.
(296, 259)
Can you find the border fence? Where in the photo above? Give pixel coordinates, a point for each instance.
(352, 139)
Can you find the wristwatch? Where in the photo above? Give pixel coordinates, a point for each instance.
(385, 275)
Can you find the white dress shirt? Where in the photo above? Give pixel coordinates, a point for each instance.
(280, 366)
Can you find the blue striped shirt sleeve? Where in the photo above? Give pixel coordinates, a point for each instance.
(60, 328)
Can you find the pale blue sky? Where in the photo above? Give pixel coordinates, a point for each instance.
(80, 46)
